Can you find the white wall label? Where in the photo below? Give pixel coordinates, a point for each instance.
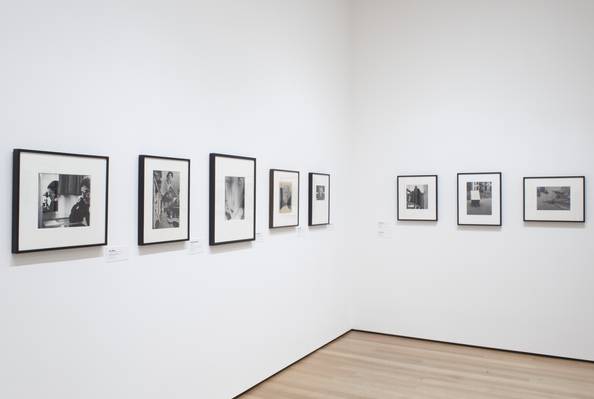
(195, 246)
(117, 254)
(384, 230)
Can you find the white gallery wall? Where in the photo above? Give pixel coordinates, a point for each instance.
(264, 78)
(442, 87)
(364, 90)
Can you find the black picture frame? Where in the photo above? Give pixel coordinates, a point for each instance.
(583, 218)
(500, 223)
(16, 174)
(271, 198)
(398, 218)
(141, 200)
(211, 199)
(310, 199)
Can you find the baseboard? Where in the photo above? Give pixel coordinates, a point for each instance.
(295, 362)
(417, 339)
(475, 346)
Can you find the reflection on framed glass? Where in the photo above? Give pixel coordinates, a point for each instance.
(163, 199)
(232, 216)
(283, 198)
(479, 199)
(416, 197)
(555, 199)
(319, 199)
(59, 200)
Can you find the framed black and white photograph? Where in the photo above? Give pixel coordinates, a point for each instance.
(232, 199)
(416, 198)
(283, 198)
(59, 200)
(319, 199)
(479, 199)
(163, 199)
(555, 199)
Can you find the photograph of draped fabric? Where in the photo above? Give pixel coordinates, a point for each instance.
(232, 199)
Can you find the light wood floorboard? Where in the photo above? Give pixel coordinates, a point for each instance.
(369, 366)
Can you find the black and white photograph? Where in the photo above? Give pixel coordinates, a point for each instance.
(554, 199)
(163, 200)
(166, 191)
(283, 198)
(59, 200)
(479, 199)
(232, 199)
(319, 199)
(285, 194)
(416, 197)
(64, 200)
(320, 192)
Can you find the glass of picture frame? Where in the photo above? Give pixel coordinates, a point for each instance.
(479, 199)
(283, 205)
(163, 199)
(60, 200)
(232, 198)
(319, 199)
(555, 199)
(416, 198)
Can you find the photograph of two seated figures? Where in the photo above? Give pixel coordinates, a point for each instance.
(65, 200)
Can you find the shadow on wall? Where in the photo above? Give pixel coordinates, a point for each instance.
(63, 255)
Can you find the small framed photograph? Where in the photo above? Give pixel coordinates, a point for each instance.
(416, 197)
(163, 199)
(59, 200)
(479, 199)
(319, 199)
(283, 198)
(555, 199)
(232, 199)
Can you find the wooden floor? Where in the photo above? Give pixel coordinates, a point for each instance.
(365, 366)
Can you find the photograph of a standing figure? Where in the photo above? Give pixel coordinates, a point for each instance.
(165, 199)
(479, 196)
(416, 196)
(479, 199)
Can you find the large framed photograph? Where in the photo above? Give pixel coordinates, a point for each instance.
(555, 199)
(283, 198)
(59, 200)
(319, 199)
(232, 199)
(163, 199)
(479, 199)
(416, 198)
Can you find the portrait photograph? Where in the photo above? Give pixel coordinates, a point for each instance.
(479, 199)
(232, 199)
(554, 199)
(163, 199)
(416, 198)
(59, 200)
(283, 198)
(319, 199)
